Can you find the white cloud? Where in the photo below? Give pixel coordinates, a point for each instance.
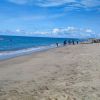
(91, 3)
(56, 30)
(68, 32)
(89, 30)
(18, 30)
(70, 29)
(73, 32)
(41, 33)
(50, 3)
(69, 4)
(43, 3)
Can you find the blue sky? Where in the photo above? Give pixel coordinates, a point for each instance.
(57, 18)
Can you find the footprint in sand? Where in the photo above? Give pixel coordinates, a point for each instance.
(64, 97)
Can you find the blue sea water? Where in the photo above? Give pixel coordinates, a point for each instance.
(11, 46)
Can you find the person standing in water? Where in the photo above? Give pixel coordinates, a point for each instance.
(64, 43)
(77, 42)
(57, 44)
(73, 42)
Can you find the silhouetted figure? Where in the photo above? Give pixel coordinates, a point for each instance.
(64, 43)
(73, 42)
(77, 42)
(57, 44)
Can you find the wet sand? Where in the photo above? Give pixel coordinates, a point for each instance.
(65, 73)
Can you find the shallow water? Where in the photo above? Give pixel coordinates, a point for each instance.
(11, 46)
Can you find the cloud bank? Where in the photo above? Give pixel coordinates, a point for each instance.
(54, 3)
(73, 32)
(68, 32)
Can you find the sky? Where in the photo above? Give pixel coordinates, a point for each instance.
(52, 18)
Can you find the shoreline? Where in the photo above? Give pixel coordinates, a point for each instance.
(17, 53)
(29, 54)
(28, 51)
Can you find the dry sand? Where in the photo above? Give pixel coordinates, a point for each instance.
(66, 73)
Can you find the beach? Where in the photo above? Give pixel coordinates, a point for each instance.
(64, 73)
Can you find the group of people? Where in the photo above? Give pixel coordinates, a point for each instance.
(68, 42)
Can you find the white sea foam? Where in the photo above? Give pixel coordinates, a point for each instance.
(11, 54)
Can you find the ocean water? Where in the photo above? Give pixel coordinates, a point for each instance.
(11, 46)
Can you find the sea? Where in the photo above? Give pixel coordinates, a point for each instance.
(12, 46)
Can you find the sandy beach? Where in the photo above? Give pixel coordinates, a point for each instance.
(64, 73)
